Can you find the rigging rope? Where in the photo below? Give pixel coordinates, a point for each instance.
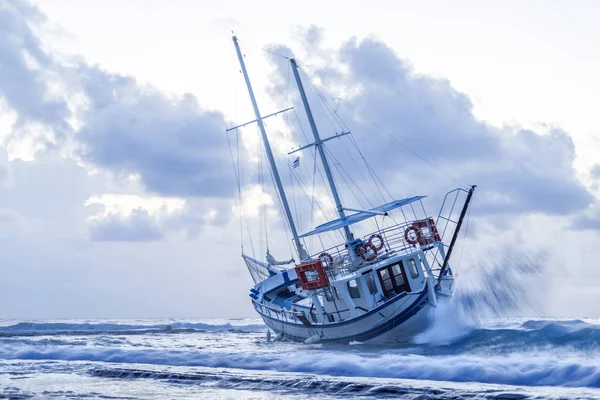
(341, 170)
(264, 49)
(461, 183)
(239, 179)
(374, 177)
(344, 126)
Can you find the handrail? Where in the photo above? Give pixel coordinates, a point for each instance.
(394, 243)
(297, 313)
(277, 310)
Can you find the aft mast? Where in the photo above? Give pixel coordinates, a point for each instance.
(301, 252)
(319, 145)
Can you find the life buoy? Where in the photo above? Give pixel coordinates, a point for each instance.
(417, 232)
(364, 247)
(326, 259)
(380, 238)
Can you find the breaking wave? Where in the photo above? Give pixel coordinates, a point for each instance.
(310, 384)
(534, 353)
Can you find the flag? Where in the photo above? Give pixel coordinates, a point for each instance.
(296, 163)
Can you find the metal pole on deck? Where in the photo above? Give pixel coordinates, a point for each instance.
(456, 232)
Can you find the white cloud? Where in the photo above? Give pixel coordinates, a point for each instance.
(518, 170)
(138, 226)
(154, 226)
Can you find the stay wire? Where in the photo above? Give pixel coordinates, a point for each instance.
(375, 179)
(239, 174)
(328, 110)
(263, 49)
(459, 182)
(341, 171)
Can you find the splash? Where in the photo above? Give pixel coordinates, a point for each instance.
(506, 285)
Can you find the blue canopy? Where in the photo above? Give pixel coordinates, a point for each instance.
(360, 216)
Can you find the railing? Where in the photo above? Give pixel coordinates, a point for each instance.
(346, 260)
(447, 220)
(284, 314)
(309, 313)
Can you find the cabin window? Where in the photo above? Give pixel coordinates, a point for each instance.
(353, 289)
(313, 317)
(371, 284)
(337, 294)
(398, 275)
(328, 295)
(330, 317)
(412, 268)
(392, 280)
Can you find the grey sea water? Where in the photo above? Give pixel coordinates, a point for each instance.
(231, 359)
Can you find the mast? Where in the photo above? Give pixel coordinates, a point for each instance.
(301, 252)
(455, 236)
(319, 144)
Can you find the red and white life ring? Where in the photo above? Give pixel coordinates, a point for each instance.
(416, 230)
(370, 246)
(378, 237)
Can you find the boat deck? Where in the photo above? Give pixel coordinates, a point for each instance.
(396, 242)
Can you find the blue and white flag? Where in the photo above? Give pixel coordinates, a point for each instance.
(296, 163)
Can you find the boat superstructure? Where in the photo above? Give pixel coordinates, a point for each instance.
(377, 287)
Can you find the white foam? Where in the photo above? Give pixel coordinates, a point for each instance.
(515, 369)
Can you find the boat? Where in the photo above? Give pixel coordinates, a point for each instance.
(376, 287)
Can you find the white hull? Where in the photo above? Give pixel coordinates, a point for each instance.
(396, 321)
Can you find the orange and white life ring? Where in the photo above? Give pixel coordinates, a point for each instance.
(416, 230)
(370, 246)
(380, 238)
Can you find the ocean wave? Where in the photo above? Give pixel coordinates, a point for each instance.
(86, 328)
(514, 369)
(557, 335)
(310, 384)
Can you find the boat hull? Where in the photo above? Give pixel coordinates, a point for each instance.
(396, 321)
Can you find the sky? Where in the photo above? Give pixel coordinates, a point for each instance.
(118, 198)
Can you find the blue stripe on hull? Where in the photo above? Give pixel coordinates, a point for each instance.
(373, 311)
(378, 330)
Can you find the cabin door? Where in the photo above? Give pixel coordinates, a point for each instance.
(393, 279)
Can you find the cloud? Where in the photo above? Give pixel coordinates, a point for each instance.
(138, 227)
(132, 135)
(50, 188)
(394, 112)
(50, 264)
(596, 172)
(5, 174)
(176, 147)
(26, 70)
(148, 224)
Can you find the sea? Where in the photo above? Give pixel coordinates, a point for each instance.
(497, 358)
